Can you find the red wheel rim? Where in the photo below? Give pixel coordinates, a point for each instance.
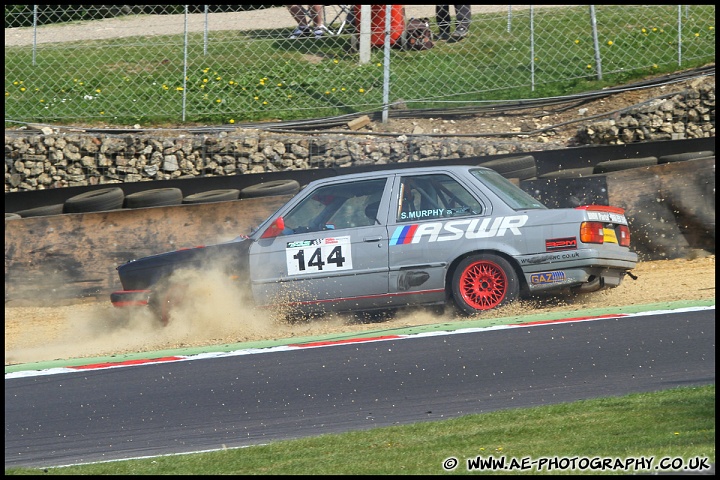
(483, 285)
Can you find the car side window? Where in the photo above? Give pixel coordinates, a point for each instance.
(337, 206)
(423, 197)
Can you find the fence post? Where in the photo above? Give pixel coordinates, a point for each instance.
(205, 37)
(35, 15)
(386, 65)
(596, 43)
(532, 48)
(679, 35)
(365, 30)
(185, 65)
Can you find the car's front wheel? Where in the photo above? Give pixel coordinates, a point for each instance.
(483, 282)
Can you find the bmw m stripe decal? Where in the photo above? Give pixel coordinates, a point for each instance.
(403, 235)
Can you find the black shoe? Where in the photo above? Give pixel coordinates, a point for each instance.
(442, 36)
(459, 34)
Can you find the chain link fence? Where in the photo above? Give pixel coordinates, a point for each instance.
(146, 64)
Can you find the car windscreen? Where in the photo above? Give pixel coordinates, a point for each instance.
(512, 195)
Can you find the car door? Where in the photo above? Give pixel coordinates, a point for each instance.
(426, 225)
(333, 252)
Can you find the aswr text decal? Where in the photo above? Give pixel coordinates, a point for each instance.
(456, 229)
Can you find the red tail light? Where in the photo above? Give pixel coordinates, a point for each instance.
(624, 236)
(592, 232)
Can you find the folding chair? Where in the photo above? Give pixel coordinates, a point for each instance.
(336, 18)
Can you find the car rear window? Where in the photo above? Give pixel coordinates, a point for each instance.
(512, 195)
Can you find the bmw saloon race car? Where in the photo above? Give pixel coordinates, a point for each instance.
(458, 235)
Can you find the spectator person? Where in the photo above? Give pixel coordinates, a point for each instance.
(442, 15)
(303, 29)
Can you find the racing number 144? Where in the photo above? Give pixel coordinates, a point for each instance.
(328, 254)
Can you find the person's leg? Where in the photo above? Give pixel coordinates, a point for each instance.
(442, 16)
(462, 13)
(298, 14)
(317, 15)
(316, 11)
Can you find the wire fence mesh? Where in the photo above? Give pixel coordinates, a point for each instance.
(228, 64)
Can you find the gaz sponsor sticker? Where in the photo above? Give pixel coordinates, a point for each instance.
(318, 255)
(547, 277)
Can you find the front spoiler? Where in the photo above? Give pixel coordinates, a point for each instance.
(130, 298)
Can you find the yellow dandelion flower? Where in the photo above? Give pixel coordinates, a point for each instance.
(711, 28)
(655, 65)
(327, 92)
(697, 34)
(336, 61)
(81, 83)
(75, 80)
(577, 41)
(279, 84)
(102, 113)
(654, 29)
(334, 89)
(643, 30)
(218, 101)
(202, 86)
(589, 66)
(232, 120)
(342, 89)
(205, 70)
(218, 78)
(289, 96)
(231, 82)
(42, 100)
(265, 102)
(256, 98)
(18, 83)
(610, 42)
(165, 87)
(179, 89)
(97, 90)
(7, 94)
(22, 89)
(361, 90)
(205, 80)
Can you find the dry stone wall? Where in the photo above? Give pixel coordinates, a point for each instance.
(48, 158)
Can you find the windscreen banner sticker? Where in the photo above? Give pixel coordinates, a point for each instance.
(554, 244)
(607, 217)
(457, 229)
(547, 277)
(318, 255)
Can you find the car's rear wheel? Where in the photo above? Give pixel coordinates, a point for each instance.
(483, 282)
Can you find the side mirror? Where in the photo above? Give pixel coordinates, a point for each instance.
(275, 229)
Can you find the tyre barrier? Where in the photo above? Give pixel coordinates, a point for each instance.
(624, 164)
(43, 211)
(680, 157)
(522, 167)
(95, 201)
(157, 197)
(570, 173)
(275, 187)
(212, 196)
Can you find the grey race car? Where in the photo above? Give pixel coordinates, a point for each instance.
(394, 238)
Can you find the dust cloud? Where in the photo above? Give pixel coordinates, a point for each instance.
(213, 311)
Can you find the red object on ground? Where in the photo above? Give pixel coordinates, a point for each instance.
(377, 23)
